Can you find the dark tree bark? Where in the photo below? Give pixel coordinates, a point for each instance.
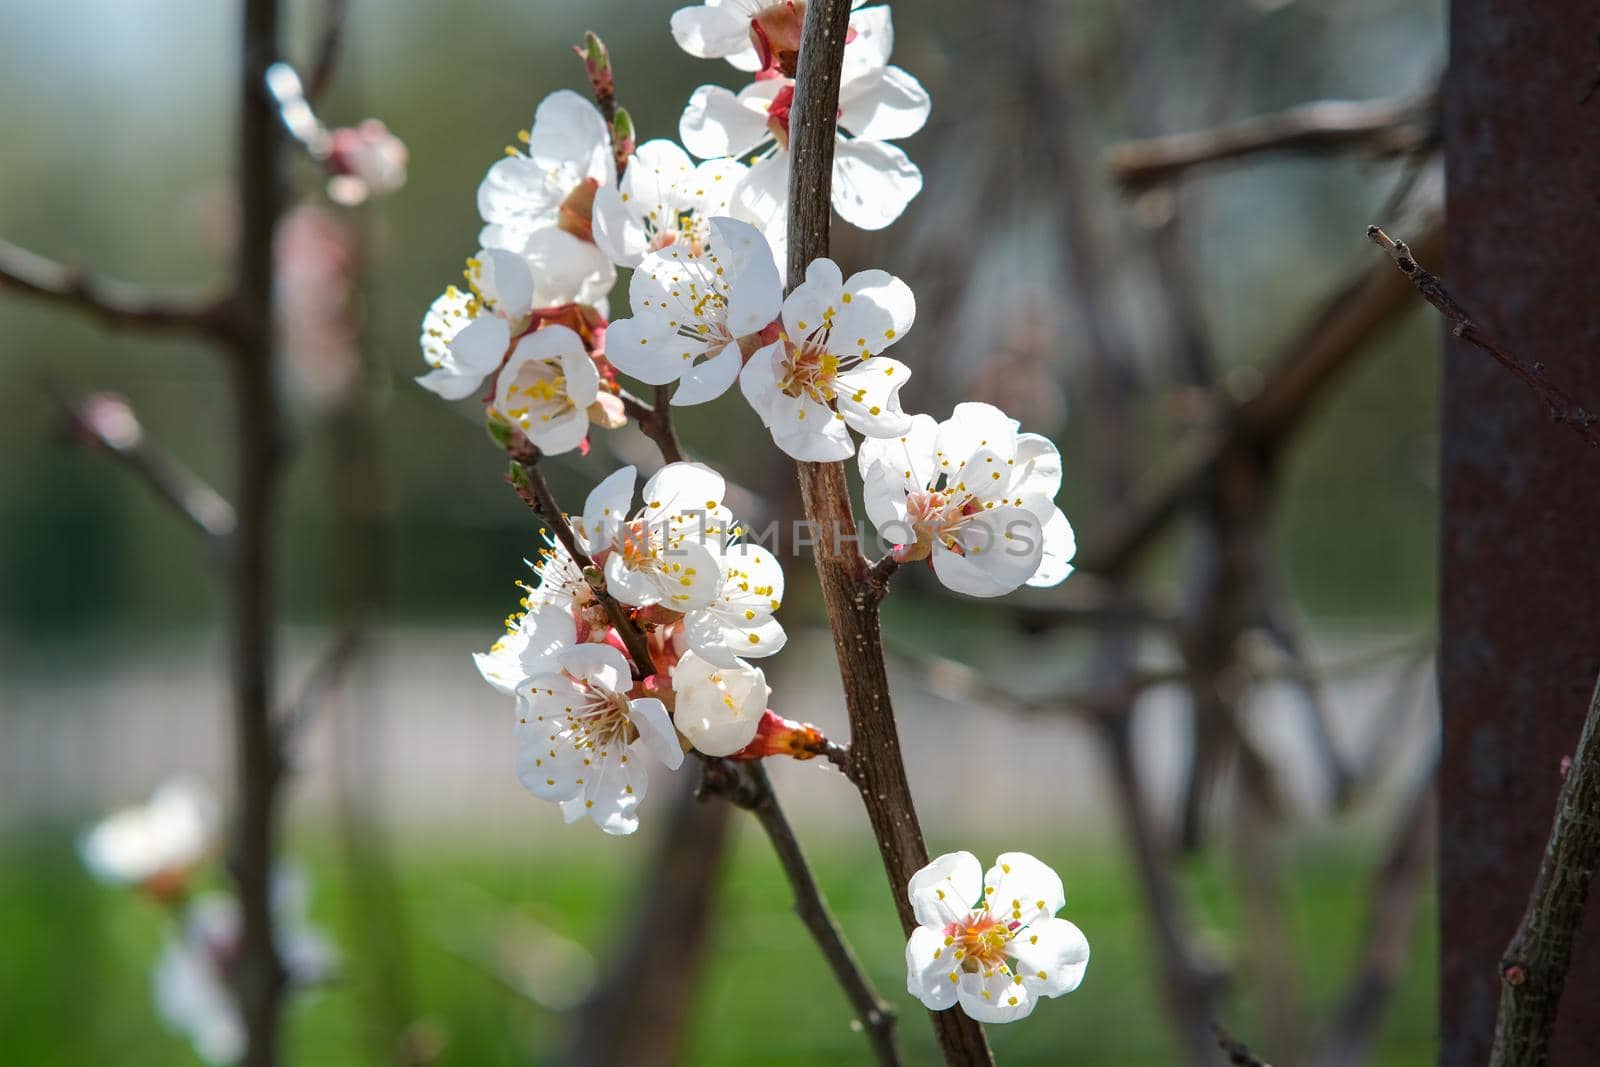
(1521, 502)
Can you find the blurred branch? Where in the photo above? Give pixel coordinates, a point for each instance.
(335, 15)
(115, 303)
(1534, 967)
(327, 674)
(1562, 408)
(1238, 1052)
(107, 422)
(1390, 127)
(1264, 424)
(747, 786)
(1396, 893)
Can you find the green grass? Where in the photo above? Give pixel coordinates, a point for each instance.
(74, 956)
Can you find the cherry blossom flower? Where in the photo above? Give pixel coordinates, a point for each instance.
(546, 388)
(752, 35)
(718, 707)
(664, 200)
(193, 991)
(660, 554)
(531, 640)
(582, 738)
(873, 180)
(975, 496)
(366, 160)
(466, 335)
(739, 620)
(991, 942)
(157, 846)
(695, 317)
(825, 373)
(541, 202)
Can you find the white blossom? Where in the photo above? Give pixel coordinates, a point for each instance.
(662, 552)
(540, 203)
(159, 844)
(531, 640)
(824, 373)
(664, 200)
(739, 620)
(991, 942)
(193, 992)
(694, 316)
(737, 30)
(367, 160)
(466, 335)
(718, 707)
(546, 388)
(974, 495)
(582, 740)
(873, 180)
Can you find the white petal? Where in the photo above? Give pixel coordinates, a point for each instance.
(809, 431)
(1052, 955)
(649, 347)
(718, 123)
(560, 433)
(601, 665)
(762, 199)
(757, 292)
(517, 196)
(568, 269)
(946, 889)
(971, 427)
(928, 969)
(680, 488)
(815, 298)
(891, 467)
(479, 349)
(449, 384)
(611, 796)
(568, 129)
(999, 998)
(709, 32)
(1003, 547)
(1038, 472)
(886, 107)
(869, 47)
(710, 378)
(869, 398)
(872, 183)
(719, 708)
(656, 731)
(879, 310)
(1022, 889)
(609, 504)
(759, 383)
(1059, 548)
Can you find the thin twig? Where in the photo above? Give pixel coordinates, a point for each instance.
(655, 422)
(528, 480)
(325, 56)
(116, 303)
(323, 680)
(107, 422)
(1534, 967)
(1238, 1052)
(746, 785)
(1390, 127)
(1562, 407)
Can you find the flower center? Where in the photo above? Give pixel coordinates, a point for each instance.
(576, 214)
(809, 369)
(686, 227)
(981, 942)
(538, 393)
(939, 514)
(778, 114)
(601, 721)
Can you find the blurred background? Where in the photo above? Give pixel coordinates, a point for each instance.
(471, 921)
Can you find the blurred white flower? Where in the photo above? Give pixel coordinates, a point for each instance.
(663, 200)
(541, 202)
(158, 845)
(873, 180)
(992, 945)
(193, 993)
(974, 495)
(718, 707)
(582, 739)
(546, 388)
(367, 160)
(824, 373)
(695, 316)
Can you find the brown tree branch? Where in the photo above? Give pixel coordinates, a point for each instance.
(1562, 407)
(746, 785)
(107, 422)
(852, 610)
(1238, 1052)
(115, 303)
(655, 422)
(1534, 967)
(334, 17)
(1389, 127)
(259, 977)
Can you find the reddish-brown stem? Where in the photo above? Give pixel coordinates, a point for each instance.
(115, 303)
(850, 599)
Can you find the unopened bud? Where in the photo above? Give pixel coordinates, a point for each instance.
(597, 61)
(518, 477)
(498, 429)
